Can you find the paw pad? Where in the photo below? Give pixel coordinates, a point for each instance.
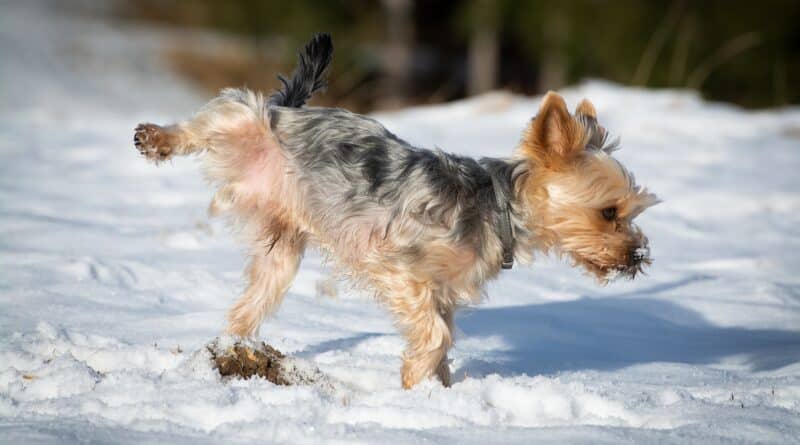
(150, 140)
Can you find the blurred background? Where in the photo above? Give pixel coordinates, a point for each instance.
(394, 53)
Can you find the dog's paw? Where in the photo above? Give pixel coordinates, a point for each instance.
(152, 142)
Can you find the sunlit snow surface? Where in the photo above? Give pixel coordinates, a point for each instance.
(112, 277)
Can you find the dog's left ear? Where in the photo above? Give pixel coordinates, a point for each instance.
(554, 137)
(585, 108)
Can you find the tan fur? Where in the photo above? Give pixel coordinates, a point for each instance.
(568, 186)
(586, 108)
(554, 138)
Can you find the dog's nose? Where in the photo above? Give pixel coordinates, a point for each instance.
(639, 254)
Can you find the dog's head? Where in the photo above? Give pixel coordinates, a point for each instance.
(582, 200)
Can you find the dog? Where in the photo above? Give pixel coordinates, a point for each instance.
(423, 229)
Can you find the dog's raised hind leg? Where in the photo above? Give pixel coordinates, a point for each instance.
(158, 143)
(224, 115)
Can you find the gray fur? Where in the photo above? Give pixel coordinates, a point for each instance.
(352, 164)
(597, 135)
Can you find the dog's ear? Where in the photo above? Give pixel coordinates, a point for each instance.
(553, 137)
(585, 108)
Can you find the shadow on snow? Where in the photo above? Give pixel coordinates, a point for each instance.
(604, 334)
(611, 333)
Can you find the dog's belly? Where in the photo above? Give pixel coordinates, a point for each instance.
(388, 260)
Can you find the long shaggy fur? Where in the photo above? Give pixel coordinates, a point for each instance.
(416, 226)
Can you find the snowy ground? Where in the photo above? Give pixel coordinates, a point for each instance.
(112, 276)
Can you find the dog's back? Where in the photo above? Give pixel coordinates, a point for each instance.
(352, 164)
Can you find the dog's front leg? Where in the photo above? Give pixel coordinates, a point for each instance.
(427, 327)
(443, 370)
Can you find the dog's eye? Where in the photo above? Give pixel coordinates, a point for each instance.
(609, 213)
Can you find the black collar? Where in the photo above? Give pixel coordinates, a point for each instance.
(504, 227)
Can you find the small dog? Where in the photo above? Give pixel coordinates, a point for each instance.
(422, 229)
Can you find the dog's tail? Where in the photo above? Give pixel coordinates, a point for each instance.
(308, 76)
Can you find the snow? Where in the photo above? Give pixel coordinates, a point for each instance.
(113, 279)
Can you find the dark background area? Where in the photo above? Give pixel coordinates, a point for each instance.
(393, 53)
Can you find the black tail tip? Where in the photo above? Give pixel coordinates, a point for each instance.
(319, 51)
(321, 40)
(309, 75)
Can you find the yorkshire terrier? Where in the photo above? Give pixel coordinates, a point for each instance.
(423, 229)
